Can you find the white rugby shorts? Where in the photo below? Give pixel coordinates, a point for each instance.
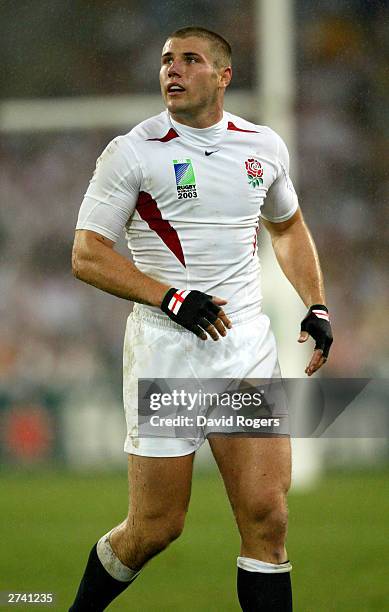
(156, 347)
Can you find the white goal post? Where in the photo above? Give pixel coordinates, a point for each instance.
(97, 112)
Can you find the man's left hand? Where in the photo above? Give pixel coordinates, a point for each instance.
(317, 324)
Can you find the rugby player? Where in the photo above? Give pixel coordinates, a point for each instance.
(189, 187)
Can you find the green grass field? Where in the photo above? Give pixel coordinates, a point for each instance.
(338, 543)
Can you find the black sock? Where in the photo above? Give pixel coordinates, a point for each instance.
(260, 592)
(97, 588)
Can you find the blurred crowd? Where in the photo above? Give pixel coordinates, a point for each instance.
(104, 47)
(343, 102)
(56, 331)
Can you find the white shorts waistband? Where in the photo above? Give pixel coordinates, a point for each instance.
(159, 319)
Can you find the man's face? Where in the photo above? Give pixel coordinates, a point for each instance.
(190, 82)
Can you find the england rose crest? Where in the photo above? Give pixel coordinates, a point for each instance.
(254, 172)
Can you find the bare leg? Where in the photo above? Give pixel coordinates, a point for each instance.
(159, 497)
(256, 474)
(159, 490)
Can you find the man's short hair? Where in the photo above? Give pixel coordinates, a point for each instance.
(220, 46)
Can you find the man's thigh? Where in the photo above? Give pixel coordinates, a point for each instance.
(158, 486)
(254, 470)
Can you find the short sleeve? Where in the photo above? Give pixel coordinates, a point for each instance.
(281, 201)
(113, 191)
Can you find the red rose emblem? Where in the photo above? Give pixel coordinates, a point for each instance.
(254, 171)
(254, 168)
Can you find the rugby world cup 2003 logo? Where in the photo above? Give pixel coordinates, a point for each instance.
(185, 179)
(254, 172)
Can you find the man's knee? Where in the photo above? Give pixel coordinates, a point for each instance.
(156, 537)
(264, 516)
(164, 530)
(144, 538)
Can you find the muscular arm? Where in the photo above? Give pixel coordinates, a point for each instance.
(296, 253)
(95, 262)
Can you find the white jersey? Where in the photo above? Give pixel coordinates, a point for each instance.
(190, 201)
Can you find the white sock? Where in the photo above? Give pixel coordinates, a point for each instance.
(112, 563)
(254, 565)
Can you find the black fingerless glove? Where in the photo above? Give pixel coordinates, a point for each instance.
(317, 324)
(190, 308)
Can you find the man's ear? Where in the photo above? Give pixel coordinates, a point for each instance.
(226, 76)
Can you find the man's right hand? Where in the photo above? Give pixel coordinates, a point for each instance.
(197, 311)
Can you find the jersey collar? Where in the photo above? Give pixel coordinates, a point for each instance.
(201, 137)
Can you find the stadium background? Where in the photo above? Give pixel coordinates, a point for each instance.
(61, 425)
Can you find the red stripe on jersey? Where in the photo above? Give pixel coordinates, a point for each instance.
(169, 136)
(149, 211)
(232, 126)
(254, 243)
